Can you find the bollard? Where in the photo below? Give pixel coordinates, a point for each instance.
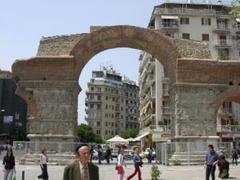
(23, 175)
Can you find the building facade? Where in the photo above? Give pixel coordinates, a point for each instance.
(192, 21)
(112, 103)
(13, 114)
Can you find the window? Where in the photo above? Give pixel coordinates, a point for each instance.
(185, 35)
(205, 37)
(99, 97)
(206, 21)
(106, 97)
(99, 89)
(98, 123)
(91, 106)
(99, 106)
(184, 20)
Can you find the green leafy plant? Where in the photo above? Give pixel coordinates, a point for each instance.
(155, 172)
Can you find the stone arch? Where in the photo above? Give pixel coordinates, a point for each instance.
(110, 37)
(232, 93)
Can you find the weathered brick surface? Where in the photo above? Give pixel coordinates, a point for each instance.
(58, 45)
(208, 71)
(5, 74)
(45, 68)
(199, 84)
(191, 49)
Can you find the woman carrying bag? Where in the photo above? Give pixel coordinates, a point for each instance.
(9, 165)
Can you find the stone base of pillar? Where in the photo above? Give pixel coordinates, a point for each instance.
(60, 149)
(53, 159)
(191, 150)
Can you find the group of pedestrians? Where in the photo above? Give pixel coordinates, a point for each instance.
(9, 165)
(213, 159)
(137, 164)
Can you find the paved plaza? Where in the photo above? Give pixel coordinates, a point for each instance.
(107, 172)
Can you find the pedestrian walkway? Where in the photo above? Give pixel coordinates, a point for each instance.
(107, 172)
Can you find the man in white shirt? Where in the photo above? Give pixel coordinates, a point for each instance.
(81, 169)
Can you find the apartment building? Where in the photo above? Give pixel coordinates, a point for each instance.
(194, 21)
(112, 103)
(200, 22)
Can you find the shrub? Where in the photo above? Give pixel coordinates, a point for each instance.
(155, 172)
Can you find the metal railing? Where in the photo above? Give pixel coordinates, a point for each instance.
(169, 25)
(187, 11)
(189, 153)
(229, 128)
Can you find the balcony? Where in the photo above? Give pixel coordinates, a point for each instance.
(229, 128)
(222, 28)
(155, 129)
(147, 118)
(187, 11)
(169, 26)
(166, 110)
(92, 100)
(223, 43)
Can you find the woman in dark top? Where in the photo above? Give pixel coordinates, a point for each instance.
(223, 166)
(9, 164)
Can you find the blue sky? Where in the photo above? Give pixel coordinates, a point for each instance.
(23, 23)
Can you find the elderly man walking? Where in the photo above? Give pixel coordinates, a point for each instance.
(81, 169)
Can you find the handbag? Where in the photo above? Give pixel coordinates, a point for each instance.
(140, 163)
(14, 175)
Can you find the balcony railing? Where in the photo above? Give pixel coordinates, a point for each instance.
(186, 11)
(154, 128)
(223, 43)
(228, 128)
(222, 27)
(169, 25)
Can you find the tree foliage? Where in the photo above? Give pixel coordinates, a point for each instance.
(85, 134)
(235, 7)
(130, 133)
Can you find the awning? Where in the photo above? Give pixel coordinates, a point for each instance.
(145, 107)
(164, 136)
(117, 139)
(141, 136)
(169, 17)
(238, 19)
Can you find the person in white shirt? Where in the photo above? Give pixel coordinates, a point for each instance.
(120, 163)
(43, 164)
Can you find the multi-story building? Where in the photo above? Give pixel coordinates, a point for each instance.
(13, 111)
(112, 103)
(200, 22)
(194, 21)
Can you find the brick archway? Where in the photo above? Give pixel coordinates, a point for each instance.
(110, 37)
(49, 81)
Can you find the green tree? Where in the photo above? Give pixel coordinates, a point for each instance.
(85, 134)
(235, 7)
(130, 133)
(222, 54)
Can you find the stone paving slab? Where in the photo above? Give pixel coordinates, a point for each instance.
(107, 172)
